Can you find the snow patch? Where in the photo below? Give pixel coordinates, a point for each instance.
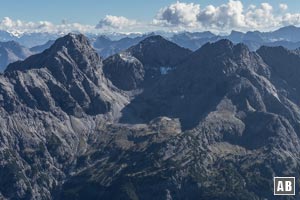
(16, 33)
(127, 57)
(165, 70)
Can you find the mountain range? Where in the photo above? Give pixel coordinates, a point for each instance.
(287, 37)
(113, 43)
(10, 52)
(107, 47)
(155, 121)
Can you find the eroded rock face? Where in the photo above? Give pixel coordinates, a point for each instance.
(225, 119)
(125, 71)
(68, 75)
(48, 106)
(143, 64)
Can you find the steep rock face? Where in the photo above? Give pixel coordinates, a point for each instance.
(125, 71)
(287, 77)
(155, 51)
(239, 132)
(222, 120)
(49, 105)
(144, 63)
(71, 49)
(67, 75)
(208, 73)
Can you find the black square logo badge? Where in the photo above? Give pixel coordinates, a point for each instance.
(284, 185)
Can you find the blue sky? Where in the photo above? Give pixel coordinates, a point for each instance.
(91, 11)
(142, 15)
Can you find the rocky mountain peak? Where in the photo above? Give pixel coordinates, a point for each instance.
(220, 47)
(124, 71)
(68, 56)
(212, 125)
(276, 58)
(151, 43)
(143, 64)
(67, 75)
(224, 54)
(208, 73)
(156, 51)
(77, 41)
(69, 44)
(101, 41)
(153, 39)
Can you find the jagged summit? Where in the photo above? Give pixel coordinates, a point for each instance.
(156, 51)
(142, 64)
(153, 39)
(284, 63)
(102, 41)
(70, 47)
(154, 42)
(222, 46)
(72, 40)
(124, 71)
(68, 56)
(71, 77)
(209, 73)
(221, 52)
(222, 119)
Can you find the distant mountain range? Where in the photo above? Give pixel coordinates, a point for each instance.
(155, 121)
(107, 47)
(28, 39)
(288, 37)
(113, 43)
(11, 52)
(185, 39)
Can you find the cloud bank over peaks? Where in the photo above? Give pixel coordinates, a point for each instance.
(227, 16)
(19, 27)
(179, 16)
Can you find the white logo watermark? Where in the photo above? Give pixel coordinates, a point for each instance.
(284, 185)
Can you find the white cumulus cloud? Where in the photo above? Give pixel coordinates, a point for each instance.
(261, 17)
(231, 15)
(225, 17)
(283, 7)
(178, 14)
(18, 26)
(115, 22)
